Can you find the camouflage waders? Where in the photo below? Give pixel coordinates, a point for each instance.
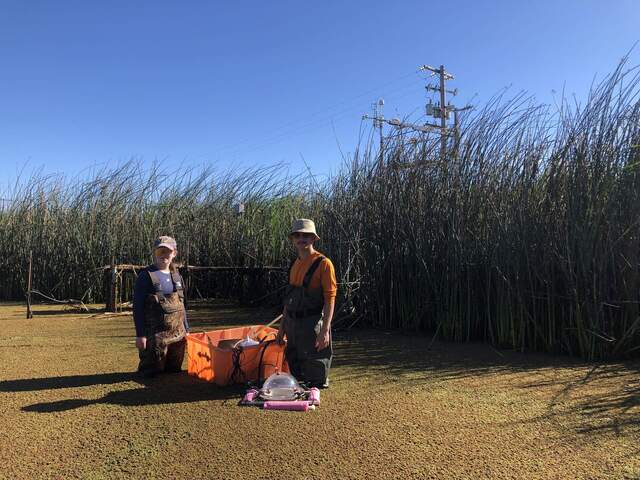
(302, 326)
(164, 329)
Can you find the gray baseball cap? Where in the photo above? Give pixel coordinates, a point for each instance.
(165, 241)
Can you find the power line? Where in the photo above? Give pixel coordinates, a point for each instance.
(439, 111)
(306, 127)
(295, 124)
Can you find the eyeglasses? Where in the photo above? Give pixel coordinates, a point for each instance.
(300, 234)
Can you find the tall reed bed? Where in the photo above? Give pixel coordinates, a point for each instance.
(76, 228)
(524, 233)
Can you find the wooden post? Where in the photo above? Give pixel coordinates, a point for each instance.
(29, 312)
(186, 279)
(119, 288)
(112, 288)
(186, 285)
(106, 273)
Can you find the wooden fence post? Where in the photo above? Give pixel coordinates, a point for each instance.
(119, 279)
(112, 288)
(29, 312)
(186, 279)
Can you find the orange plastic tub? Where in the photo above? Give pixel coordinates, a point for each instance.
(224, 366)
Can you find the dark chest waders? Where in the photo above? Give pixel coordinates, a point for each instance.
(302, 326)
(164, 326)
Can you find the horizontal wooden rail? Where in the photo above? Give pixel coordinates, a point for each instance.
(129, 267)
(113, 277)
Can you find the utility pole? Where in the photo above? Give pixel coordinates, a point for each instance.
(377, 113)
(440, 111)
(443, 110)
(378, 122)
(443, 114)
(400, 125)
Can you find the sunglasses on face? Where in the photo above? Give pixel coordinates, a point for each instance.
(301, 235)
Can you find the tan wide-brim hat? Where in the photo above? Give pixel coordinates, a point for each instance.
(304, 225)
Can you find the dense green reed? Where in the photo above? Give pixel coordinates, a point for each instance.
(524, 234)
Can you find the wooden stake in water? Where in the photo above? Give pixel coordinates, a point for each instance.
(29, 312)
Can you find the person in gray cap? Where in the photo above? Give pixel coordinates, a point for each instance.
(158, 312)
(308, 308)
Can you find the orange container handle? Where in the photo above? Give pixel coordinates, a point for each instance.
(204, 355)
(254, 334)
(269, 334)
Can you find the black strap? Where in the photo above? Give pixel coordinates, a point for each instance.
(293, 262)
(265, 345)
(177, 284)
(307, 276)
(312, 269)
(236, 375)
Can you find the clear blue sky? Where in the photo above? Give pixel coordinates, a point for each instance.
(249, 83)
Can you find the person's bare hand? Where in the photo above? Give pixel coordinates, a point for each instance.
(322, 340)
(141, 343)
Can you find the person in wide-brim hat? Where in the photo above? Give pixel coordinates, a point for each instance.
(308, 308)
(304, 225)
